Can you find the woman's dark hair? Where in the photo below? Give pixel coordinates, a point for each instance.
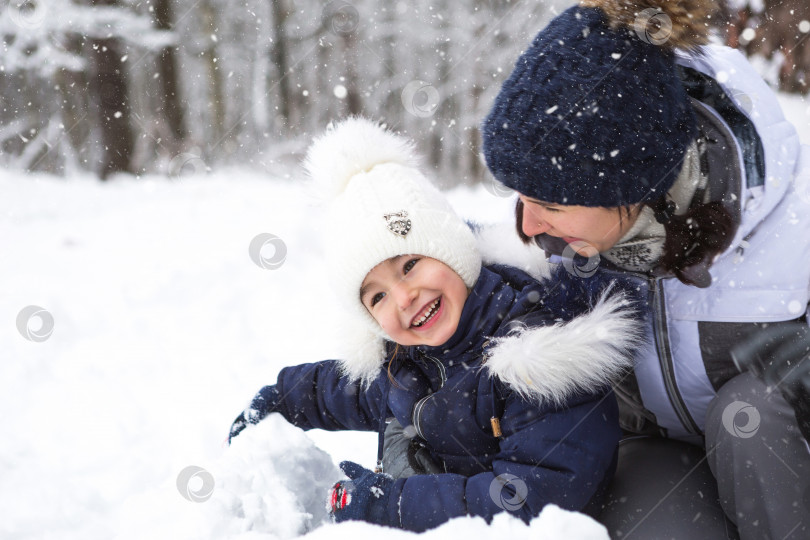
(692, 240)
(519, 222)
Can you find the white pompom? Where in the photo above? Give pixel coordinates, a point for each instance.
(350, 147)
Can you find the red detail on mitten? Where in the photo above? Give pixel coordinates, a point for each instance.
(339, 497)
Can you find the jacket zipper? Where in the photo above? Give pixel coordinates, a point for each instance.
(420, 405)
(665, 357)
(442, 371)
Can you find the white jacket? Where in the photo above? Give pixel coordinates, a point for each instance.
(764, 276)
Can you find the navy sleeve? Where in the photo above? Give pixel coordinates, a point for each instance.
(563, 457)
(318, 396)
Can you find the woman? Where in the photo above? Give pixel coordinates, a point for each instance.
(633, 143)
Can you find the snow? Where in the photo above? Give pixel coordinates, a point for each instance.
(164, 327)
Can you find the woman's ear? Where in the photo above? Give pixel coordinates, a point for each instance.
(632, 211)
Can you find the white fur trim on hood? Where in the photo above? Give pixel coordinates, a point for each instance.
(361, 353)
(549, 364)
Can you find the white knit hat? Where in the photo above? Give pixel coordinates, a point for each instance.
(380, 206)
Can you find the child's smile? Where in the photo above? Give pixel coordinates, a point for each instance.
(427, 319)
(416, 300)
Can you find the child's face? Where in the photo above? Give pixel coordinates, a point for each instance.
(415, 299)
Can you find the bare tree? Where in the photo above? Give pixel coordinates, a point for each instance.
(280, 57)
(120, 85)
(109, 89)
(216, 96)
(170, 105)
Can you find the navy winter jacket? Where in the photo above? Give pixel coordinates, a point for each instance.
(537, 356)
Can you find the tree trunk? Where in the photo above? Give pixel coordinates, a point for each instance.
(280, 58)
(108, 87)
(352, 82)
(170, 106)
(216, 96)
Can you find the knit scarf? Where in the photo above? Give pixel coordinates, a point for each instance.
(642, 246)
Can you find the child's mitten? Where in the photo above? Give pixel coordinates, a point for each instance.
(780, 356)
(364, 496)
(263, 404)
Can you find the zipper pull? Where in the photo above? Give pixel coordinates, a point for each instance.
(496, 426)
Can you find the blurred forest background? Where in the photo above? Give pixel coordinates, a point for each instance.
(177, 86)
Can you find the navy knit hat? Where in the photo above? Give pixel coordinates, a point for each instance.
(594, 114)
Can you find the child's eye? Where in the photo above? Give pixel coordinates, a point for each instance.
(376, 298)
(409, 265)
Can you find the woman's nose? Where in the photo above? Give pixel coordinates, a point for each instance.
(532, 225)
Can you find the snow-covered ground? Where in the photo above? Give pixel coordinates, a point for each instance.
(163, 327)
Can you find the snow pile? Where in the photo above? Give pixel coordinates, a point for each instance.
(272, 483)
(273, 480)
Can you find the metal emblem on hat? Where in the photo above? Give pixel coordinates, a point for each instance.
(398, 223)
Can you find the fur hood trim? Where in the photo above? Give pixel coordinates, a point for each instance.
(683, 23)
(361, 358)
(550, 364)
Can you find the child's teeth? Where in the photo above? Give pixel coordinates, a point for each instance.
(427, 313)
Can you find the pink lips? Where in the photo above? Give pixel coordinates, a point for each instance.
(432, 320)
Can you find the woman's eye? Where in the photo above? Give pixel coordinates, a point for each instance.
(409, 265)
(376, 298)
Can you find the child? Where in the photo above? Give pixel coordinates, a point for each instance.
(501, 381)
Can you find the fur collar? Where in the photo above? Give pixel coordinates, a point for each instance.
(551, 363)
